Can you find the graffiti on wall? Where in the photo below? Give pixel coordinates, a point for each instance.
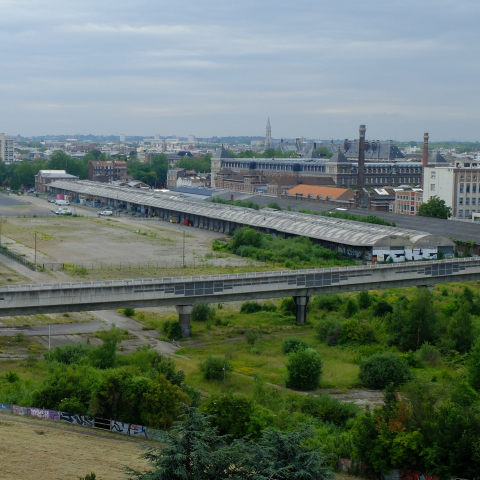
(41, 413)
(73, 419)
(408, 475)
(20, 410)
(5, 408)
(128, 429)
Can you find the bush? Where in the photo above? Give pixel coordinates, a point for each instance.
(304, 369)
(129, 312)
(429, 354)
(213, 368)
(11, 377)
(173, 330)
(355, 331)
(473, 367)
(330, 303)
(381, 308)
(328, 331)
(202, 312)
(252, 337)
(382, 369)
(350, 308)
(293, 345)
(329, 409)
(236, 415)
(250, 307)
(19, 337)
(288, 306)
(364, 299)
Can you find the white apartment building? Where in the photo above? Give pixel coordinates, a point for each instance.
(6, 149)
(457, 184)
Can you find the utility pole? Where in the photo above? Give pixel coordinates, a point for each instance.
(48, 337)
(1, 221)
(35, 262)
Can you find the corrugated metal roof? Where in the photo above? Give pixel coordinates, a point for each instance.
(314, 226)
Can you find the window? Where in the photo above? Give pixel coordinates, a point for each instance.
(468, 188)
(460, 201)
(461, 188)
(433, 175)
(412, 208)
(474, 189)
(432, 187)
(467, 201)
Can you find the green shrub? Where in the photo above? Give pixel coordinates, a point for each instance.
(72, 405)
(330, 303)
(173, 330)
(473, 367)
(304, 369)
(214, 368)
(293, 345)
(252, 337)
(382, 369)
(381, 308)
(129, 312)
(328, 331)
(269, 307)
(236, 415)
(364, 351)
(288, 306)
(250, 307)
(202, 312)
(356, 331)
(19, 337)
(364, 299)
(11, 377)
(329, 409)
(429, 354)
(412, 359)
(350, 308)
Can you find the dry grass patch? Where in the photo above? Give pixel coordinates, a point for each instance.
(35, 451)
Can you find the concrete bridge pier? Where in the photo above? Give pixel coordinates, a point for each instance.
(301, 310)
(184, 312)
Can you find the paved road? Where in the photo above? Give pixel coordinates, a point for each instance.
(55, 329)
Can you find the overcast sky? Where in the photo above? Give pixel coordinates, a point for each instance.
(318, 68)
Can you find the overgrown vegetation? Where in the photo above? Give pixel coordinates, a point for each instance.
(297, 252)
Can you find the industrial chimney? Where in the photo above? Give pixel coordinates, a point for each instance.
(361, 158)
(425, 155)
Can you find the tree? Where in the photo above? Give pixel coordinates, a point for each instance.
(473, 374)
(415, 322)
(435, 208)
(284, 456)
(460, 329)
(304, 369)
(192, 450)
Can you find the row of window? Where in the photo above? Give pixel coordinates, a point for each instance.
(467, 201)
(467, 188)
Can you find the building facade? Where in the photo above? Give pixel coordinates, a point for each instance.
(408, 200)
(7, 153)
(44, 177)
(458, 185)
(106, 171)
(339, 168)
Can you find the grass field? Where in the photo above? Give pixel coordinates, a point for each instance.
(33, 450)
(45, 319)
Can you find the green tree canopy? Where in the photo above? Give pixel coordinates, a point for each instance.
(435, 208)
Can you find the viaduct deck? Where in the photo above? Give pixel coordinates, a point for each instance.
(184, 292)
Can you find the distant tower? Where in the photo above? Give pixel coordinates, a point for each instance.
(268, 135)
(122, 138)
(425, 156)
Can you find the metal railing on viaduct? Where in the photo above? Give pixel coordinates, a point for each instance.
(184, 292)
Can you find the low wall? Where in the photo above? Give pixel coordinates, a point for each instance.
(123, 428)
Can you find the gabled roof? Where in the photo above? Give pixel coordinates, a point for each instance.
(315, 190)
(339, 157)
(436, 158)
(311, 154)
(220, 153)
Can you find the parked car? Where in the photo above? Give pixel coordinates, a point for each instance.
(51, 200)
(61, 202)
(31, 191)
(106, 213)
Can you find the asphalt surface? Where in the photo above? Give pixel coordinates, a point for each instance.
(56, 329)
(32, 209)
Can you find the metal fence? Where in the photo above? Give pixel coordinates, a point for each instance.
(18, 258)
(75, 267)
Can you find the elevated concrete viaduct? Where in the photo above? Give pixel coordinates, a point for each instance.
(184, 292)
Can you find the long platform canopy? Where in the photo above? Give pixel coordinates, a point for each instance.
(330, 229)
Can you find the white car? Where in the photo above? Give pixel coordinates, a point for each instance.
(106, 213)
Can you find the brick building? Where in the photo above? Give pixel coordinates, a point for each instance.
(44, 177)
(408, 200)
(106, 171)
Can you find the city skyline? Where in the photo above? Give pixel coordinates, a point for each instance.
(318, 70)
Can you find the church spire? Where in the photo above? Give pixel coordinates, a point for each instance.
(268, 135)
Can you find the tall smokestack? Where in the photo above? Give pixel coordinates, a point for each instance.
(361, 158)
(425, 155)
